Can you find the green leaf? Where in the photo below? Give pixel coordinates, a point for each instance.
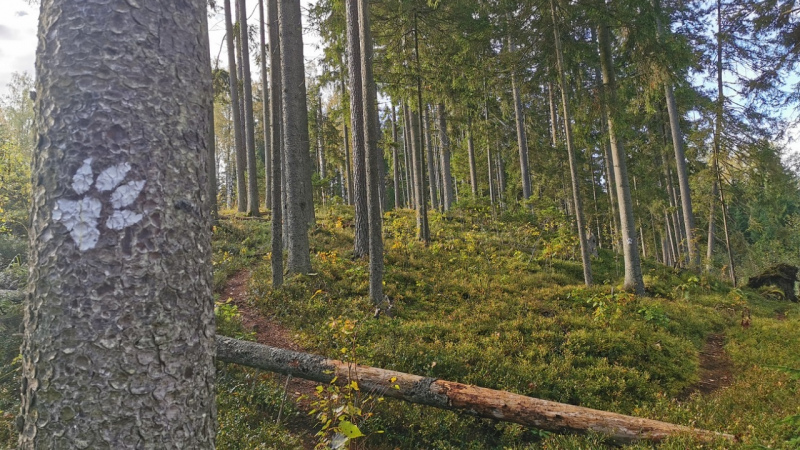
(349, 429)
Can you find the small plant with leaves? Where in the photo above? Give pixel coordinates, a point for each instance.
(342, 410)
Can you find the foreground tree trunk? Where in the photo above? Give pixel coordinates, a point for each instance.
(478, 401)
(299, 208)
(276, 141)
(361, 239)
(374, 158)
(630, 251)
(119, 324)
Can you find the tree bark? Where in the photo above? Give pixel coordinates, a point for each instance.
(398, 195)
(573, 169)
(252, 172)
(233, 81)
(299, 209)
(522, 138)
(433, 185)
(447, 177)
(474, 400)
(423, 233)
(633, 269)
(276, 142)
(119, 325)
(473, 172)
(265, 107)
(374, 158)
(357, 122)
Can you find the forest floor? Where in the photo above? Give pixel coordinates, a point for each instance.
(500, 304)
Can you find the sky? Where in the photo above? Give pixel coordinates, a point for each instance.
(19, 21)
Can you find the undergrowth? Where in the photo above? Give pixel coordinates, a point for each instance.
(501, 304)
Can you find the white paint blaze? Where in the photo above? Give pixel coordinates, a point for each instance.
(112, 177)
(83, 178)
(80, 217)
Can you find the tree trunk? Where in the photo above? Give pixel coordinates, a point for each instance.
(424, 229)
(374, 158)
(473, 171)
(522, 138)
(233, 81)
(718, 147)
(430, 160)
(573, 169)
(118, 347)
(447, 177)
(323, 173)
(398, 197)
(411, 167)
(361, 243)
(299, 209)
(211, 156)
(276, 141)
(474, 400)
(423, 232)
(252, 173)
(633, 269)
(265, 107)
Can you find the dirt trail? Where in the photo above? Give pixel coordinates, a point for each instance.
(716, 368)
(270, 332)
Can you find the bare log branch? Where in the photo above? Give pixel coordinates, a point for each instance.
(477, 401)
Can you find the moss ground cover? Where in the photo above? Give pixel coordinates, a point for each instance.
(501, 304)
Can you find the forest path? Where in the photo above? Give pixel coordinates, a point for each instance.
(273, 334)
(716, 368)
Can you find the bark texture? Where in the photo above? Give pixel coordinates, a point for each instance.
(447, 177)
(276, 141)
(119, 325)
(374, 157)
(474, 400)
(573, 169)
(361, 242)
(249, 127)
(265, 95)
(633, 268)
(233, 82)
(299, 207)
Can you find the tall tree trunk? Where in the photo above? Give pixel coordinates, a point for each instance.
(573, 169)
(447, 178)
(411, 165)
(424, 230)
(118, 348)
(299, 209)
(276, 142)
(473, 171)
(680, 159)
(323, 173)
(374, 158)
(419, 177)
(522, 138)
(718, 150)
(346, 143)
(633, 268)
(430, 160)
(265, 107)
(233, 81)
(211, 156)
(398, 197)
(361, 243)
(252, 166)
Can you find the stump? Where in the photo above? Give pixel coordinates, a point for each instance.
(782, 276)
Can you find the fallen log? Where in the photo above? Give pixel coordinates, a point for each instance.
(477, 401)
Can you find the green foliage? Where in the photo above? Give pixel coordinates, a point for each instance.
(342, 411)
(481, 306)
